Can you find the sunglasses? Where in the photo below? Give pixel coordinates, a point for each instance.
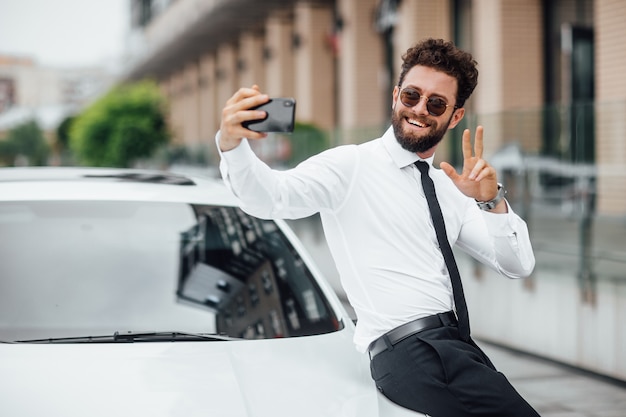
(436, 106)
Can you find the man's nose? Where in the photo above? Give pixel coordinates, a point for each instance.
(422, 106)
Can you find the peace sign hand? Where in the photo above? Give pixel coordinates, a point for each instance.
(478, 179)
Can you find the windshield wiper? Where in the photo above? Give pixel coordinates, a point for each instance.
(132, 337)
(169, 337)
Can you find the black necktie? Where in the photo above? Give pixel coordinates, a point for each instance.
(444, 245)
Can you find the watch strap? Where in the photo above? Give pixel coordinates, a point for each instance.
(491, 204)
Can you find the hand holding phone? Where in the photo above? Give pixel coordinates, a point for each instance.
(280, 116)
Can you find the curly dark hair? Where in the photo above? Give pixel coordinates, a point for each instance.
(443, 56)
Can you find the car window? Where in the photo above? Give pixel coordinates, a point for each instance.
(245, 269)
(77, 268)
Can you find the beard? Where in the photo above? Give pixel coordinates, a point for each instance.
(413, 143)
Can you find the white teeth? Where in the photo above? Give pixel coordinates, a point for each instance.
(416, 123)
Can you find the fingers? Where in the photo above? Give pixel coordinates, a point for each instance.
(478, 142)
(245, 98)
(467, 144)
(481, 170)
(449, 170)
(238, 110)
(478, 179)
(475, 166)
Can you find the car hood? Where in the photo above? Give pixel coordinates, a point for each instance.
(306, 376)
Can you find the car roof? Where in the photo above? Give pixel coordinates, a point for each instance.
(111, 184)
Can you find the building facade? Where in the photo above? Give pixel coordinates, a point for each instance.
(541, 62)
(29, 91)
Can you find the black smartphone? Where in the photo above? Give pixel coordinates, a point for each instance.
(280, 117)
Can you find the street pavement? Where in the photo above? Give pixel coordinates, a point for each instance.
(556, 390)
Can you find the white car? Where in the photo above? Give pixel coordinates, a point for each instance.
(141, 293)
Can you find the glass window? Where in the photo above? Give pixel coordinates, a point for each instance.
(93, 268)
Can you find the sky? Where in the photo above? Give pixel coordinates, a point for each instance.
(64, 33)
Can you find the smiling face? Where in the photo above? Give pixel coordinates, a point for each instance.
(417, 130)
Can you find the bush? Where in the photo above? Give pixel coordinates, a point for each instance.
(125, 125)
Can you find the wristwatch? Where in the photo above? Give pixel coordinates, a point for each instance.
(489, 205)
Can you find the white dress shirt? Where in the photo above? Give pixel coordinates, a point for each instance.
(378, 226)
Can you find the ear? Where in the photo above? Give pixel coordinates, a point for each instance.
(457, 116)
(396, 92)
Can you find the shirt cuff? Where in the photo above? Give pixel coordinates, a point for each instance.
(501, 224)
(236, 159)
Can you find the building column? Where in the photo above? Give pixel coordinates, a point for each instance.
(508, 48)
(278, 56)
(175, 96)
(610, 31)
(191, 100)
(226, 74)
(363, 95)
(250, 60)
(314, 67)
(209, 112)
(420, 19)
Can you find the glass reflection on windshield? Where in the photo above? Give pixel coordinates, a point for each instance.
(92, 268)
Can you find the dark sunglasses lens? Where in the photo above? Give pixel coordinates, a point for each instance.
(409, 97)
(436, 106)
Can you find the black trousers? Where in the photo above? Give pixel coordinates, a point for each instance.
(436, 373)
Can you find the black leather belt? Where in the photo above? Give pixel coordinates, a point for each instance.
(400, 333)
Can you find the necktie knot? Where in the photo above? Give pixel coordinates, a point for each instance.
(422, 166)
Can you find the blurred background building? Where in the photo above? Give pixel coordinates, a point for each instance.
(543, 66)
(29, 91)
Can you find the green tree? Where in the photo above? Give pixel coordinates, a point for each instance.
(27, 141)
(123, 126)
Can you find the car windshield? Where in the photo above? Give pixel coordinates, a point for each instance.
(74, 269)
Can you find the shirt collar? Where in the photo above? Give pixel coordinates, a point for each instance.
(400, 156)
